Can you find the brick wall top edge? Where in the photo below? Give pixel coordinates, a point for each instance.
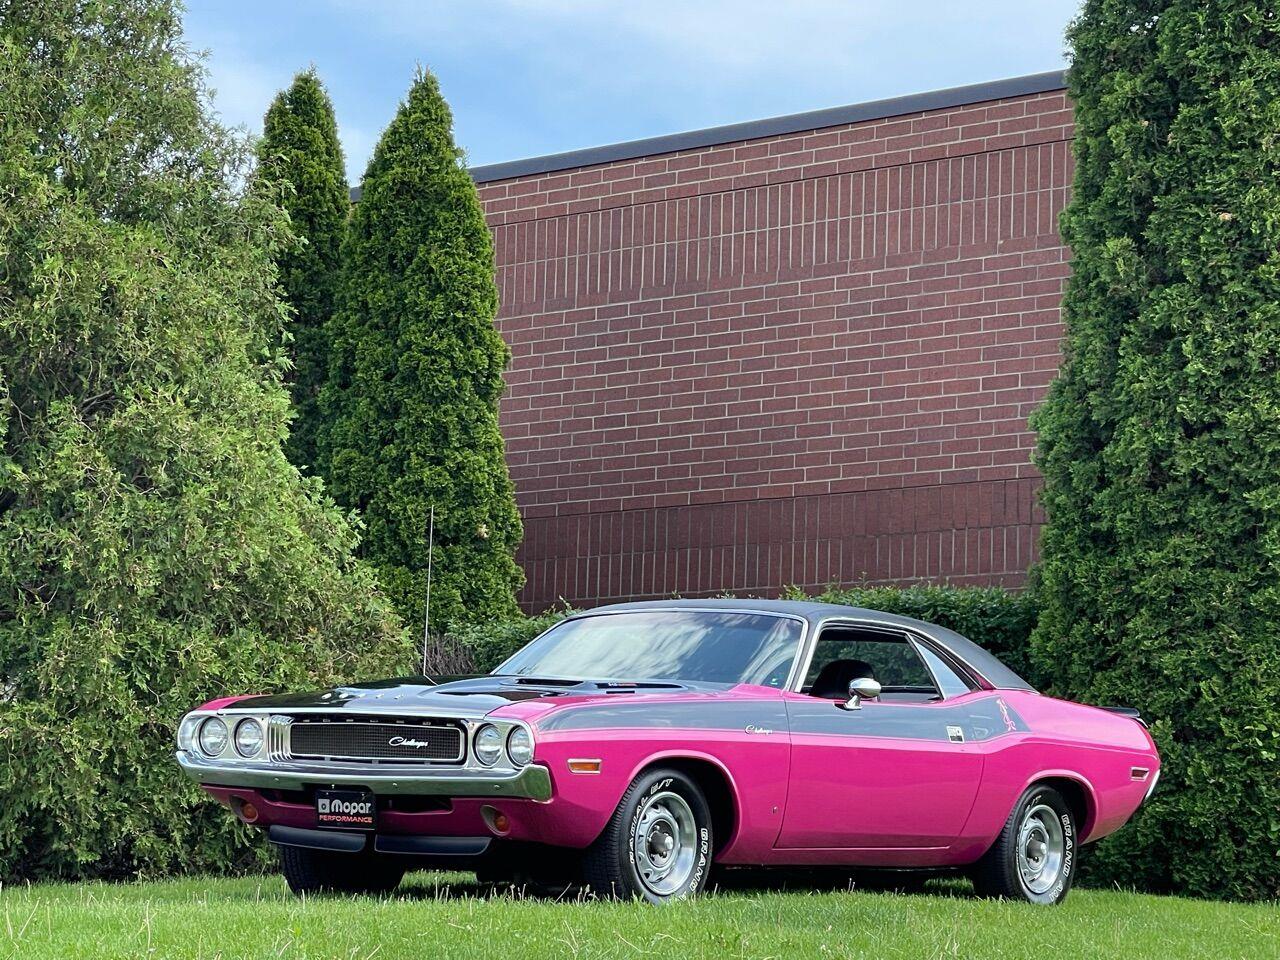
(999, 91)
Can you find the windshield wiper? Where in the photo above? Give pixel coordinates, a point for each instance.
(608, 685)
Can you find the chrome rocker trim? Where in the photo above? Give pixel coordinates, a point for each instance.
(531, 782)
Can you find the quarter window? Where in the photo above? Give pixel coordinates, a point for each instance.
(949, 682)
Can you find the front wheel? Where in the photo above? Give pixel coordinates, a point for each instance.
(657, 845)
(322, 871)
(1034, 858)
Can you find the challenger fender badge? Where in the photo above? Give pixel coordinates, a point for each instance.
(955, 734)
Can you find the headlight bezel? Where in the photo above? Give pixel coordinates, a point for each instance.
(208, 724)
(499, 744)
(235, 738)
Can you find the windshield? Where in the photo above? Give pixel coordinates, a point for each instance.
(688, 645)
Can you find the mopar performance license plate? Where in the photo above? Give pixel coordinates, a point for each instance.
(346, 809)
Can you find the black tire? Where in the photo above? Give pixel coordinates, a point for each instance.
(1000, 872)
(659, 804)
(322, 871)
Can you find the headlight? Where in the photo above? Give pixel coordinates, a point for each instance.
(212, 737)
(488, 744)
(248, 738)
(187, 733)
(520, 746)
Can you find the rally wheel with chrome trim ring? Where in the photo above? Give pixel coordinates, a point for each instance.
(657, 846)
(1034, 858)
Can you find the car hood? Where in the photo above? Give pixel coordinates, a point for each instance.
(472, 696)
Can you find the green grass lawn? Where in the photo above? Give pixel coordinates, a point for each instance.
(448, 915)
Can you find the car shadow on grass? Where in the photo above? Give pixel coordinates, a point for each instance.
(726, 882)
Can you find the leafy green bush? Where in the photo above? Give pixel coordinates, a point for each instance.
(411, 403)
(1160, 441)
(301, 158)
(488, 644)
(156, 546)
(999, 620)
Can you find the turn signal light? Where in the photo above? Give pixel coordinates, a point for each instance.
(496, 820)
(584, 766)
(248, 812)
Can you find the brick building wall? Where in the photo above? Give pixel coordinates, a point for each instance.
(802, 355)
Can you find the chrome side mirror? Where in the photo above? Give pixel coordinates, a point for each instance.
(862, 688)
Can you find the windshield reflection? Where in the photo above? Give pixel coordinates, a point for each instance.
(684, 645)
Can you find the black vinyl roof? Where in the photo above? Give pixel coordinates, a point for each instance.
(771, 127)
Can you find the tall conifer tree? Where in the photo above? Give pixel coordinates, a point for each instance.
(302, 158)
(1160, 441)
(156, 547)
(411, 405)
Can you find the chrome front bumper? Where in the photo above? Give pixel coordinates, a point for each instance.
(532, 782)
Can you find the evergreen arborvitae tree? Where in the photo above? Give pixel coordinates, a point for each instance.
(302, 158)
(1160, 442)
(411, 405)
(156, 547)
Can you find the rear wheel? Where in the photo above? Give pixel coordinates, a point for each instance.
(1034, 858)
(657, 845)
(322, 871)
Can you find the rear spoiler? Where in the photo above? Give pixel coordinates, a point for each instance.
(1130, 712)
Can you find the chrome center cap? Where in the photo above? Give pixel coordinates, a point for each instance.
(661, 843)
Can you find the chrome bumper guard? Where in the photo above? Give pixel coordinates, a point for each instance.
(532, 782)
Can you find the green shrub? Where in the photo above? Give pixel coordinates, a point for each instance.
(998, 620)
(488, 644)
(1160, 441)
(156, 546)
(411, 403)
(301, 158)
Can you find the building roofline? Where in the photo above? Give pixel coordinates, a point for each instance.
(775, 126)
(771, 127)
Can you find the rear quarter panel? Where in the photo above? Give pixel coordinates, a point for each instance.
(1091, 747)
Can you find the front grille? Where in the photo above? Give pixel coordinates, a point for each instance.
(380, 739)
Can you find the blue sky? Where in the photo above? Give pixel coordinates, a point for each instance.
(529, 77)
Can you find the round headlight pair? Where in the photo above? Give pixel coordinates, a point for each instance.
(488, 745)
(213, 734)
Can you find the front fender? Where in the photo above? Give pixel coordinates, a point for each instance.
(754, 769)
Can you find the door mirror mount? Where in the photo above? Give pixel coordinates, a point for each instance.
(861, 688)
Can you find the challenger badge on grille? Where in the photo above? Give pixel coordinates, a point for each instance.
(376, 740)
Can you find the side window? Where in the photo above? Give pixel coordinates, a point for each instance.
(950, 682)
(842, 654)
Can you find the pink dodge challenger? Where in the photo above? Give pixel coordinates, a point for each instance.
(636, 746)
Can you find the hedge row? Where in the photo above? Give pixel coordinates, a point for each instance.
(999, 620)
(483, 646)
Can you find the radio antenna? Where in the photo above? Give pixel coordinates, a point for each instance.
(426, 620)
